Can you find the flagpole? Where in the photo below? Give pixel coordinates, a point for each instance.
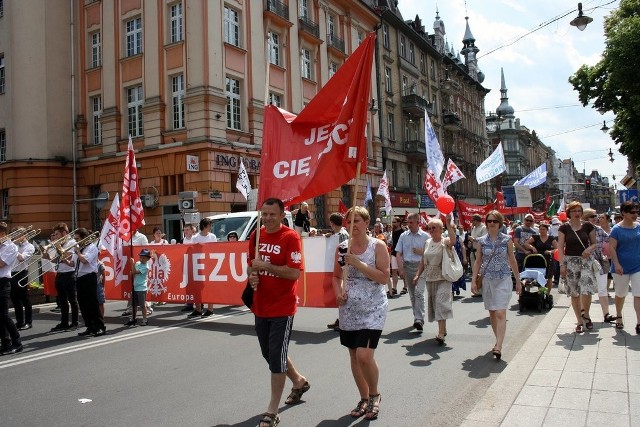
(345, 274)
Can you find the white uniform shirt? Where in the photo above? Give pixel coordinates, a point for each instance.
(199, 238)
(8, 254)
(63, 267)
(26, 250)
(91, 253)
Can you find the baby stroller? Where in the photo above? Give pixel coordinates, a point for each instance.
(534, 284)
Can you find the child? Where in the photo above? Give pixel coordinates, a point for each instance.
(140, 270)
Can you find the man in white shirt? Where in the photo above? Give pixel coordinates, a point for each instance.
(87, 284)
(8, 252)
(19, 289)
(65, 282)
(204, 236)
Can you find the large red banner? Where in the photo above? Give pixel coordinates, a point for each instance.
(217, 273)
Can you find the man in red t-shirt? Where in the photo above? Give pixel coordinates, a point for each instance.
(273, 274)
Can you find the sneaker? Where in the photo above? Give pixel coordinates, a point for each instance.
(72, 327)
(207, 313)
(418, 325)
(13, 350)
(194, 313)
(59, 327)
(85, 333)
(125, 313)
(186, 308)
(26, 326)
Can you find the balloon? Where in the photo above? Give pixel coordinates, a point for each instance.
(562, 216)
(445, 204)
(555, 255)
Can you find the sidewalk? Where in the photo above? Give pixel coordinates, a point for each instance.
(559, 378)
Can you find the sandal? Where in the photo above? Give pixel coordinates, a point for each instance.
(360, 409)
(373, 406)
(620, 325)
(296, 394)
(579, 329)
(638, 328)
(440, 339)
(497, 353)
(588, 323)
(269, 420)
(609, 318)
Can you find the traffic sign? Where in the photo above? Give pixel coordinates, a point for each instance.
(626, 195)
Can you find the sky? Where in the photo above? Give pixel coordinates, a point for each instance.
(536, 68)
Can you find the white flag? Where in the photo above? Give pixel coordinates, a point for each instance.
(453, 174)
(561, 207)
(435, 158)
(243, 184)
(383, 190)
(111, 241)
(492, 166)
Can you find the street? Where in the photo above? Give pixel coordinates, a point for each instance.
(210, 372)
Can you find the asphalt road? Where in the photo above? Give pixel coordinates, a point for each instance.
(209, 372)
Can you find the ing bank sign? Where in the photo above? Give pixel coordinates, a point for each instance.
(231, 163)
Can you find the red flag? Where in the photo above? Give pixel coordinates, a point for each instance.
(131, 211)
(453, 174)
(432, 185)
(342, 208)
(547, 202)
(317, 151)
(111, 241)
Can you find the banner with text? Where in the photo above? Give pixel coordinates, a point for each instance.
(492, 166)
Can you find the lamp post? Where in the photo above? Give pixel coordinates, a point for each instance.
(581, 21)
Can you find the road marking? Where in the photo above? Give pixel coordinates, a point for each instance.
(33, 357)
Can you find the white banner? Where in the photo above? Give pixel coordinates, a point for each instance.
(493, 165)
(535, 178)
(435, 158)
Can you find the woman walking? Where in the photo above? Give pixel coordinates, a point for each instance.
(624, 247)
(602, 239)
(576, 243)
(360, 294)
(438, 289)
(495, 261)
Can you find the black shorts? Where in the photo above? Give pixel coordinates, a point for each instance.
(273, 335)
(364, 338)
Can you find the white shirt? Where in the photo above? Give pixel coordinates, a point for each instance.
(91, 253)
(63, 267)
(188, 240)
(138, 239)
(199, 238)
(26, 250)
(161, 242)
(8, 254)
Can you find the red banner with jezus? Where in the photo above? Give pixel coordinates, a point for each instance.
(217, 273)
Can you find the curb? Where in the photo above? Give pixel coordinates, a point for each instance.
(493, 407)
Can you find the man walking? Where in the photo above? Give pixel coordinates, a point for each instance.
(8, 254)
(409, 252)
(273, 274)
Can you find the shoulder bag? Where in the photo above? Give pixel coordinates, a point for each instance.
(480, 275)
(451, 266)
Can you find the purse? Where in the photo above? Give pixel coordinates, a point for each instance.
(451, 266)
(247, 295)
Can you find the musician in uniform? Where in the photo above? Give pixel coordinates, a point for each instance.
(8, 253)
(65, 283)
(86, 253)
(19, 286)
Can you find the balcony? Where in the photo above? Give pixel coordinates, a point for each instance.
(416, 105)
(451, 121)
(278, 8)
(415, 148)
(336, 42)
(309, 27)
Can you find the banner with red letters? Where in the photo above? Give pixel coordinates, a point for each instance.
(217, 273)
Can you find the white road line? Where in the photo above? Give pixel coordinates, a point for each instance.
(33, 357)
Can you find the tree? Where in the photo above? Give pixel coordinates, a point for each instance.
(613, 84)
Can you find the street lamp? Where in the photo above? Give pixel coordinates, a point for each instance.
(581, 21)
(604, 127)
(610, 155)
(372, 107)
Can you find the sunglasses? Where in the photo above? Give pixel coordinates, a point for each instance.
(492, 221)
(528, 220)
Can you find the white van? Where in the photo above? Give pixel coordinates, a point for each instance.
(242, 223)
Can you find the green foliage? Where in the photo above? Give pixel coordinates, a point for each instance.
(613, 84)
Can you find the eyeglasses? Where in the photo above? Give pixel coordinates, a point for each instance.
(492, 221)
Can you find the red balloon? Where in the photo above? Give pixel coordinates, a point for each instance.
(562, 216)
(445, 204)
(555, 255)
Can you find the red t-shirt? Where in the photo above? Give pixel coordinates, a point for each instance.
(275, 296)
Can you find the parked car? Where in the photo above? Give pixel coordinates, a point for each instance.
(242, 223)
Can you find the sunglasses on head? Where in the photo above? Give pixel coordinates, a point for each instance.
(492, 221)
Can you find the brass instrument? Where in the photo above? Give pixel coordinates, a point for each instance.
(17, 234)
(56, 244)
(80, 245)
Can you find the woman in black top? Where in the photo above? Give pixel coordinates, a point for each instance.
(543, 244)
(302, 219)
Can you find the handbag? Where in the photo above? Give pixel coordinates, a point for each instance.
(593, 265)
(247, 295)
(451, 266)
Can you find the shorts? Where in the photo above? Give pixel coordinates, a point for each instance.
(363, 338)
(139, 298)
(621, 284)
(394, 262)
(603, 280)
(273, 335)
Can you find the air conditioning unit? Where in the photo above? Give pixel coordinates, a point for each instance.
(148, 200)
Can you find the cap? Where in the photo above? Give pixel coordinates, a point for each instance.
(145, 252)
(555, 221)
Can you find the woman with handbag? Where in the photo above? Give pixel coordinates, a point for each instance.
(576, 243)
(602, 238)
(438, 287)
(495, 261)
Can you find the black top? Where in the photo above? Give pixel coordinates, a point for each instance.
(302, 220)
(395, 236)
(573, 246)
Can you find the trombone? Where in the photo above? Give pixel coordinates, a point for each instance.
(56, 244)
(80, 245)
(18, 234)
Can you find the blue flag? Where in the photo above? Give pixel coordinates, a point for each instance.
(535, 178)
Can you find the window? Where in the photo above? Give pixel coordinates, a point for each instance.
(231, 26)
(175, 24)
(333, 68)
(385, 35)
(233, 103)
(412, 53)
(134, 36)
(360, 37)
(96, 50)
(405, 85)
(275, 99)
(5, 203)
(409, 177)
(394, 173)
(304, 9)
(306, 63)
(387, 80)
(331, 28)
(274, 48)
(423, 65)
(177, 96)
(391, 127)
(2, 85)
(403, 47)
(134, 111)
(3, 145)
(433, 70)
(96, 104)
